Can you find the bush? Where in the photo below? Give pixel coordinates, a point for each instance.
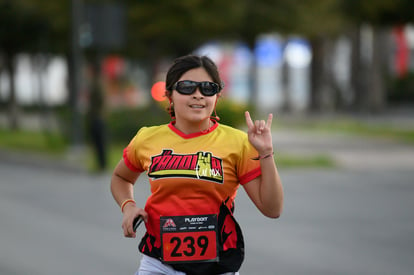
(232, 113)
(401, 90)
(124, 123)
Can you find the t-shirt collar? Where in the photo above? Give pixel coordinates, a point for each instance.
(171, 125)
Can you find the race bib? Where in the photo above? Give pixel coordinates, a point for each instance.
(189, 238)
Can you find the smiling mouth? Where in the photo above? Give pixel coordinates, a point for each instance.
(196, 106)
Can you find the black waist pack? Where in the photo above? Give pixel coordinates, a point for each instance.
(231, 248)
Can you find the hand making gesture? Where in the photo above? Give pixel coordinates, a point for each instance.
(260, 135)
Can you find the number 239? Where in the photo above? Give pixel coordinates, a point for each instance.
(190, 243)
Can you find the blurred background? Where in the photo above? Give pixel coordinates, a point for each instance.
(78, 78)
(66, 64)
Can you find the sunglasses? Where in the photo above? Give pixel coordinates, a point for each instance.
(187, 87)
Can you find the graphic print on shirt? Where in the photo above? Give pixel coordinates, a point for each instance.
(202, 165)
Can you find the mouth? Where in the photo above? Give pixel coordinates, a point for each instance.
(196, 106)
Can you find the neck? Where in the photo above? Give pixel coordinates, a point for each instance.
(195, 127)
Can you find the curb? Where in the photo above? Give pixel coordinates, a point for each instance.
(41, 161)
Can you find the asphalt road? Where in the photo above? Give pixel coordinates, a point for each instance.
(338, 221)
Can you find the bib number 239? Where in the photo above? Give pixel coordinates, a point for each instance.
(189, 238)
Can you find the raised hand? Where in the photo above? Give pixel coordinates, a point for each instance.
(260, 135)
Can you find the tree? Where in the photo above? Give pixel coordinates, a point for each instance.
(318, 21)
(163, 27)
(368, 76)
(18, 26)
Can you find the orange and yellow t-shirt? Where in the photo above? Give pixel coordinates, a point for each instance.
(190, 174)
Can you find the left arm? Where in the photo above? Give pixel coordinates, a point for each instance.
(266, 191)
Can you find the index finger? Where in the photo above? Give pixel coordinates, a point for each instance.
(249, 121)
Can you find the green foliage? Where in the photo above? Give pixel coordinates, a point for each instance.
(18, 25)
(379, 12)
(357, 127)
(34, 25)
(33, 141)
(401, 90)
(124, 123)
(164, 27)
(232, 113)
(289, 161)
(311, 18)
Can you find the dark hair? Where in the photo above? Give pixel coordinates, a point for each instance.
(189, 62)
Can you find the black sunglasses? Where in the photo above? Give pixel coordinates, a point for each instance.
(187, 87)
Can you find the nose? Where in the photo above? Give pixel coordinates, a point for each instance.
(197, 93)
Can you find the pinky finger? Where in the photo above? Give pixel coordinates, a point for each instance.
(269, 120)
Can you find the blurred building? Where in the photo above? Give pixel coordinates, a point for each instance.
(39, 80)
(275, 74)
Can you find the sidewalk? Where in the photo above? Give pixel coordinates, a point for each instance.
(348, 151)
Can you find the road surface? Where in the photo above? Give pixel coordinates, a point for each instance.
(337, 221)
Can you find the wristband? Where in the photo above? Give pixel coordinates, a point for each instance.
(263, 157)
(125, 202)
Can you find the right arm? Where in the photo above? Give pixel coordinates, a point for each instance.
(122, 189)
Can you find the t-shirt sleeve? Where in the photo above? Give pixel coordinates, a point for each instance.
(248, 169)
(131, 153)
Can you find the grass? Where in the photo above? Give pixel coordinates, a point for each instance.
(57, 145)
(313, 161)
(114, 154)
(33, 141)
(359, 128)
(282, 160)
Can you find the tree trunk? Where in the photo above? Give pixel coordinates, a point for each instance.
(322, 98)
(367, 75)
(356, 69)
(316, 69)
(12, 101)
(376, 95)
(39, 63)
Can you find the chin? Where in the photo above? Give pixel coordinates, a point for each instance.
(199, 115)
(197, 119)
